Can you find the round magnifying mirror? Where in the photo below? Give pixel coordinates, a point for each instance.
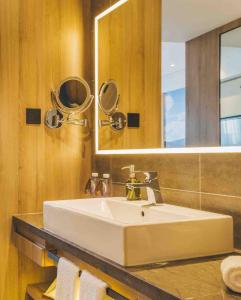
(109, 97)
(73, 95)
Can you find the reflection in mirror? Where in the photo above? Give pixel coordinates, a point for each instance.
(174, 91)
(118, 121)
(230, 88)
(109, 96)
(72, 93)
(108, 102)
(128, 51)
(190, 70)
(168, 72)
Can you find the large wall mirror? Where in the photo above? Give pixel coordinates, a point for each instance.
(230, 88)
(172, 69)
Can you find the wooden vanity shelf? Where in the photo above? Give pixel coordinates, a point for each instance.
(32, 250)
(35, 291)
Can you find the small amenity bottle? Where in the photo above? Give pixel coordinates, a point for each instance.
(91, 186)
(106, 186)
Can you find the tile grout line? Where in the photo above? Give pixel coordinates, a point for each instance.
(180, 190)
(196, 192)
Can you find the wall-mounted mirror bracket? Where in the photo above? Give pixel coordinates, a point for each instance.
(82, 122)
(72, 97)
(117, 121)
(55, 119)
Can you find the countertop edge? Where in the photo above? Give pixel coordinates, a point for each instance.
(106, 266)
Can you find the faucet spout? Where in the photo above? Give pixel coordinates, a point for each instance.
(151, 182)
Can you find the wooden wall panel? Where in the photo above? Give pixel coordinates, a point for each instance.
(9, 86)
(129, 52)
(41, 42)
(202, 91)
(52, 47)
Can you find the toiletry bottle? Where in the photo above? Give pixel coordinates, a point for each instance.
(93, 183)
(132, 194)
(88, 186)
(106, 185)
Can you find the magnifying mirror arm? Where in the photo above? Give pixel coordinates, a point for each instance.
(82, 122)
(53, 98)
(103, 123)
(55, 119)
(109, 122)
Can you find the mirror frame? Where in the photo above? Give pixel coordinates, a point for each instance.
(228, 149)
(79, 109)
(114, 108)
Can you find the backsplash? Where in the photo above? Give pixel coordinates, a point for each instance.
(209, 182)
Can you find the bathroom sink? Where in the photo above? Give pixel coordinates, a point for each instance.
(130, 234)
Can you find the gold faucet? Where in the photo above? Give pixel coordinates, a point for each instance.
(151, 183)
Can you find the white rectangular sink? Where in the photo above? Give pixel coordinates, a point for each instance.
(130, 235)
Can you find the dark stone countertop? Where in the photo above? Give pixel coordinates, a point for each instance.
(198, 279)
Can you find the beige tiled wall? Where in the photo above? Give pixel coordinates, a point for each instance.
(207, 181)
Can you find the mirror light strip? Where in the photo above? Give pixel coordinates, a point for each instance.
(139, 151)
(187, 150)
(110, 9)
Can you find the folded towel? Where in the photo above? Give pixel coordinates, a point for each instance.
(67, 285)
(91, 288)
(231, 272)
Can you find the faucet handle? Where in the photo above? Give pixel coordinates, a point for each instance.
(150, 175)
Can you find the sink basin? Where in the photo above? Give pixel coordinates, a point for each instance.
(131, 235)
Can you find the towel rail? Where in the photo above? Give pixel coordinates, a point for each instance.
(109, 292)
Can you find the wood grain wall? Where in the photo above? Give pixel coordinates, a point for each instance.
(202, 91)
(202, 88)
(41, 42)
(129, 53)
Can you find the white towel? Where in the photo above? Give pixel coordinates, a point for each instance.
(231, 272)
(91, 288)
(67, 286)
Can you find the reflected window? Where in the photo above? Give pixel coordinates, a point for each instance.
(230, 88)
(231, 131)
(174, 118)
(174, 94)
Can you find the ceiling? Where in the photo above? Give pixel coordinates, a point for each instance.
(184, 20)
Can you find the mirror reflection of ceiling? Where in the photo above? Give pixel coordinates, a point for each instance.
(173, 66)
(196, 17)
(204, 15)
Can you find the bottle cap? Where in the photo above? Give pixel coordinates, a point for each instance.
(94, 174)
(106, 176)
